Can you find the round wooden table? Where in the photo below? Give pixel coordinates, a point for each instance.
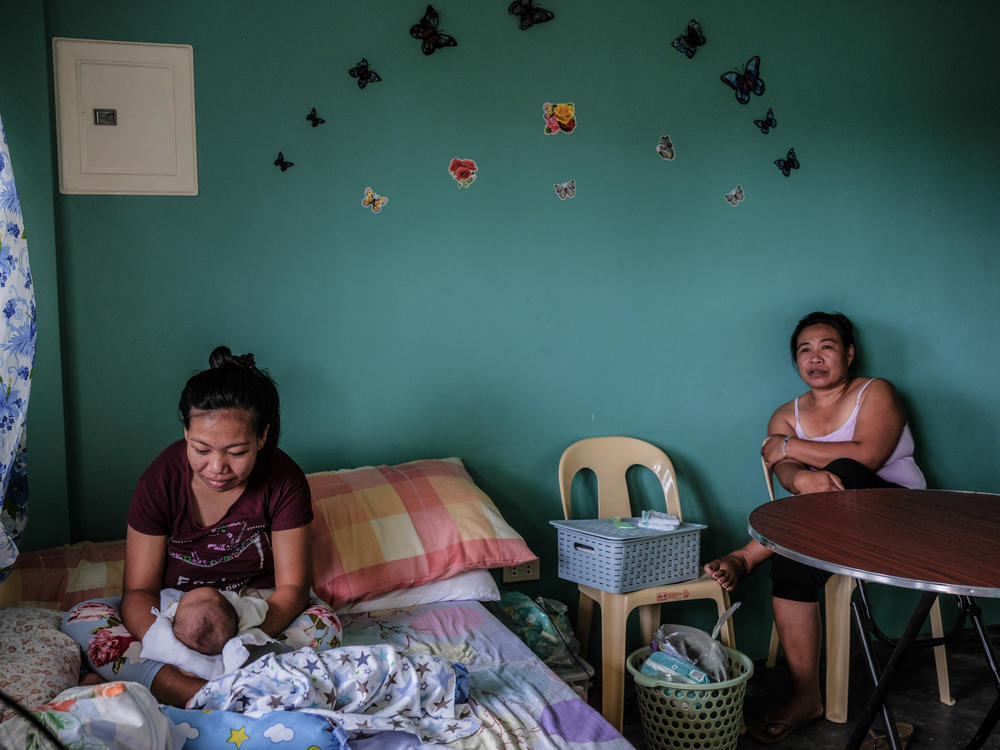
(936, 541)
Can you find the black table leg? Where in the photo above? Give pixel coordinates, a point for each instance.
(884, 680)
(864, 623)
(986, 728)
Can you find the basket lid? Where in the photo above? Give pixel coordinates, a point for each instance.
(605, 528)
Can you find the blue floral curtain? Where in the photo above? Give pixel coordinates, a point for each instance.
(17, 359)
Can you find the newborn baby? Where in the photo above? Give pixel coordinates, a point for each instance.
(205, 620)
(204, 631)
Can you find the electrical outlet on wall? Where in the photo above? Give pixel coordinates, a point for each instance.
(529, 571)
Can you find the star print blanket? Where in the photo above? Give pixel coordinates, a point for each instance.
(516, 702)
(362, 689)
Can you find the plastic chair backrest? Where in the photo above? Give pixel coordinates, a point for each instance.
(610, 458)
(768, 478)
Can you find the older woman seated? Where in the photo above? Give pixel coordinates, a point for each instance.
(845, 432)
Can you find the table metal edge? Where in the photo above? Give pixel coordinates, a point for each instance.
(874, 576)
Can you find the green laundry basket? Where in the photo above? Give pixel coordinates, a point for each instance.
(682, 716)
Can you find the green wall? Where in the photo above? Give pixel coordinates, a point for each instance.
(498, 323)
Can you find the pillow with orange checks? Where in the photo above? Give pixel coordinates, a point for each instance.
(60, 577)
(381, 528)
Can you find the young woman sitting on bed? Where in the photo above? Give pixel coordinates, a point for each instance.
(845, 432)
(224, 507)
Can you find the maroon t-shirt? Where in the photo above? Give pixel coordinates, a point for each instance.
(236, 551)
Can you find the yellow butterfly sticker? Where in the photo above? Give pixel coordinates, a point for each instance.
(375, 201)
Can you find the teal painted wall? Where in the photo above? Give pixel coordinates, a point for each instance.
(500, 324)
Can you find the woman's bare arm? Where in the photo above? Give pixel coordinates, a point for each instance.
(794, 475)
(292, 576)
(145, 558)
(880, 423)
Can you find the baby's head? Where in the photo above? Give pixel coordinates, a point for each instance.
(205, 620)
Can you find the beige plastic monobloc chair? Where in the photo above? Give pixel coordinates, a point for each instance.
(837, 597)
(610, 458)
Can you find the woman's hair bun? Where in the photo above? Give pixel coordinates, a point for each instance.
(234, 382)
(222, 356)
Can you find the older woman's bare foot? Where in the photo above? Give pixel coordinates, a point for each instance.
(728, 570)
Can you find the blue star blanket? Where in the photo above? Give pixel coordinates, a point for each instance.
(361, 689)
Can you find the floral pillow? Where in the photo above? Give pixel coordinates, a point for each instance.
(98, 624)
(37, 661)
(108, 646)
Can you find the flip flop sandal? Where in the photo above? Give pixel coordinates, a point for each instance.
(880, 741)
(759, 729)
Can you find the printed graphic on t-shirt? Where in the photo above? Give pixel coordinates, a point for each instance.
(227, 556)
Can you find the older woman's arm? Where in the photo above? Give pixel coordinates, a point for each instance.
(880, 422)
(794, 476)
(291, 579)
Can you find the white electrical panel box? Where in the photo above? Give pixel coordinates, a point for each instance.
(125, 117)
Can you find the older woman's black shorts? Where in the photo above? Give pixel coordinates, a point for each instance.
(801, 583)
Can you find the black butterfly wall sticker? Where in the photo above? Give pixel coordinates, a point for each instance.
(747, 82)
(426, 30)
(529, 13)
(280, 162)
(364, 74)
(314, 118)
(691, 41)
(767, 123)
(790, 162)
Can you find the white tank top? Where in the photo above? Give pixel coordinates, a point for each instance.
(900, 468)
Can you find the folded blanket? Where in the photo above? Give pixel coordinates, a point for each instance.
(363, 689)
(160, 644)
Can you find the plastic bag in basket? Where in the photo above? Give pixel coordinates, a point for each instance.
(691, 653)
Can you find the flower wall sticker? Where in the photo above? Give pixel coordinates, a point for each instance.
(559, 117)
(464, 171)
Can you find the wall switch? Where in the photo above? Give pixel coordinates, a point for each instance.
(529, 571)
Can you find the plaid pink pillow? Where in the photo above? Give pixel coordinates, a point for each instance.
(382, 528)
(61, 577)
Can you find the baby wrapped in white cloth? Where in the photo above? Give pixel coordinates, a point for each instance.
(205, 631)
